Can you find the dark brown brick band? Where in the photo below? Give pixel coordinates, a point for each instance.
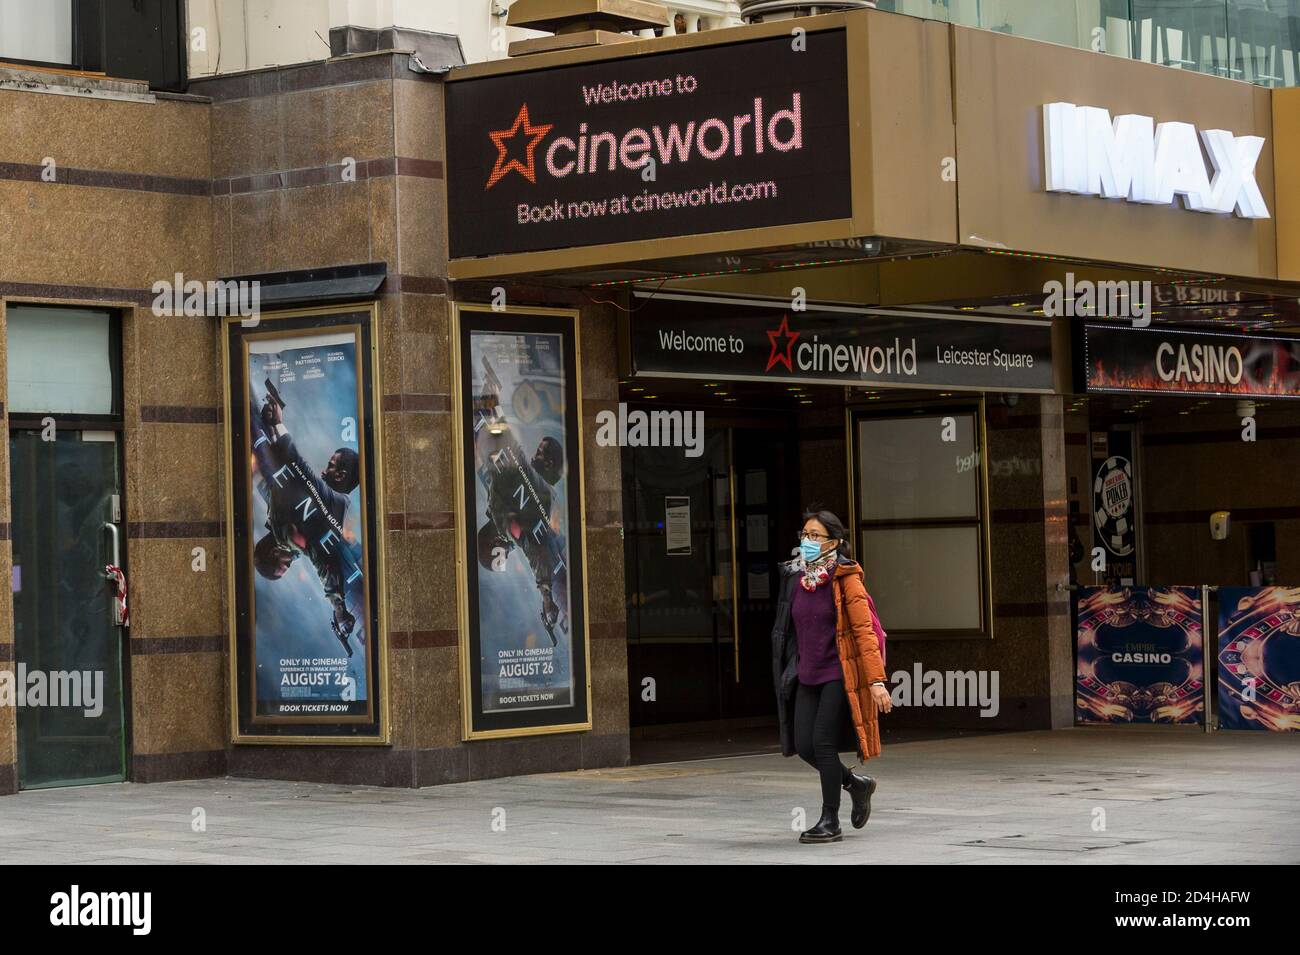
(83, 293)
(106, 179)
(338, 765)
(422, 639)
(409, 401)
(363, 170)
(166, 767)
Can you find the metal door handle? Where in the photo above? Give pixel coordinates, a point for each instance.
(117, 555)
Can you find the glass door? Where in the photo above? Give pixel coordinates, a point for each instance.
(66, 512)
(703, 537)
(680, 610)
(66, 531)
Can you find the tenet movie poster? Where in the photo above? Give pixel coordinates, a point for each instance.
(306, 611)
(1140, 656)
(523, 522)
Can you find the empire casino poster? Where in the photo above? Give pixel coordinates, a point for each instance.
(307, 649)
(1259, 658)
(523, 583)
(1140, 656)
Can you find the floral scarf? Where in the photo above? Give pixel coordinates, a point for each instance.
(817, 572)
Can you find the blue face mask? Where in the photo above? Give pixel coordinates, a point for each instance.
(810, 549)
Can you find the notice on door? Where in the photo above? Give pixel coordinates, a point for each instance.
(677, 526)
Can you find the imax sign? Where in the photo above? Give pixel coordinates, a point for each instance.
(1089, 154)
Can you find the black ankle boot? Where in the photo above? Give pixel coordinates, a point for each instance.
(860, 789)
(827, 828)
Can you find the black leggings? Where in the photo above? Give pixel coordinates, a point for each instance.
(819, 712)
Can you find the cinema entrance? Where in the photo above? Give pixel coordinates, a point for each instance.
(874, 337)
(902, 456)
(705, 528)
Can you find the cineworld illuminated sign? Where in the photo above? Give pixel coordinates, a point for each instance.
(1132, 158)
(743, 340)
(716, 138)
(1172, 361)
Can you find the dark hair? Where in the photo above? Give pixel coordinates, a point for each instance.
(548, 460)
(266, 557)
(834, 526)
(350, 465)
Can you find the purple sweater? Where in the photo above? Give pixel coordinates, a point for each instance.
(814, 631)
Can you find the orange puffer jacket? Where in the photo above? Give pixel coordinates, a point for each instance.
(859, 652)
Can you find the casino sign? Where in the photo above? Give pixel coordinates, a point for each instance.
(1113, 505)
(1122, 359)
(1140, 655)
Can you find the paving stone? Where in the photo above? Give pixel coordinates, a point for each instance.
(1011, 798)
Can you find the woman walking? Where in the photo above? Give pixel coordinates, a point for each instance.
(827, 669)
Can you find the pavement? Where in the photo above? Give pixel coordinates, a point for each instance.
(1073, 796)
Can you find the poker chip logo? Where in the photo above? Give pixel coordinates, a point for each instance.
(1112, 505)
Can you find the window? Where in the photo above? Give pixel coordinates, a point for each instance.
(36, 31)
(61, 360)
(141, 40)
(921, 518)
(1253, 40)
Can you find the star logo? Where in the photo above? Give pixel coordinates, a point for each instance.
(532, 136)
(774, 336)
